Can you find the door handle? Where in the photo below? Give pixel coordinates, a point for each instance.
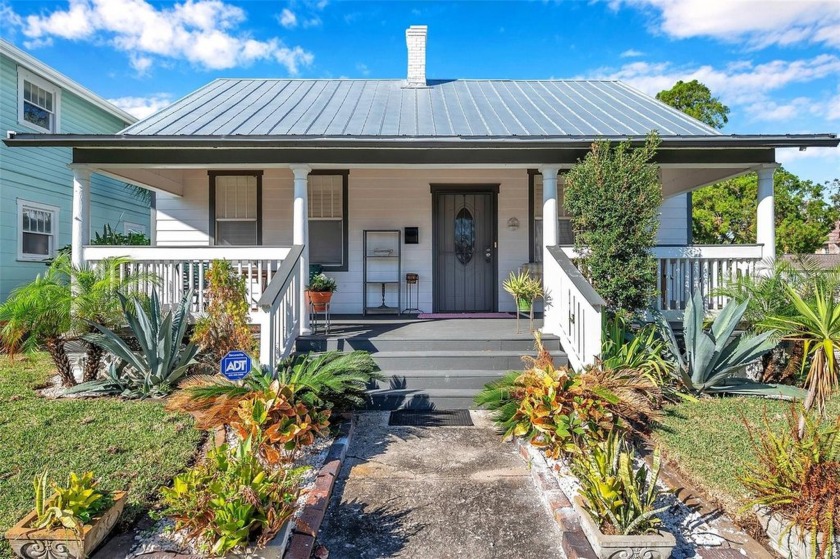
(488, 254)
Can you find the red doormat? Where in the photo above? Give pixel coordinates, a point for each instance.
(466, 315)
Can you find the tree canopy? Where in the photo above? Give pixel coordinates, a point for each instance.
(696, 100)
(726, 212)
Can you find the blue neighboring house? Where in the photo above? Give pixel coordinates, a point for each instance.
(35, 203)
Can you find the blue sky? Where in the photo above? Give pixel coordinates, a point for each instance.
(775, 63)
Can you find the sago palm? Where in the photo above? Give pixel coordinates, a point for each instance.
(816, 324)
(38, 314)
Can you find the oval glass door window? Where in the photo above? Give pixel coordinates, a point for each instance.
(464, 236)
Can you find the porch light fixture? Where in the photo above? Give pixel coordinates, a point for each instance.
(513, 224)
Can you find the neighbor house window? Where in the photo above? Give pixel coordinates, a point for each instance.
(38, 102)
(235, 208)
(328, 219)
(37, 230)
(565, 236)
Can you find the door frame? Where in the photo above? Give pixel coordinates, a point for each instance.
(438, 189)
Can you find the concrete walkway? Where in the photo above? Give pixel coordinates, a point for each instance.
(435, 493)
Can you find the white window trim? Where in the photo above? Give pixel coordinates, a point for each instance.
(26, 75)
(129, 226)
(36, 206)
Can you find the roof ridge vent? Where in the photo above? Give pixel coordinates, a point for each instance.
(415, 40)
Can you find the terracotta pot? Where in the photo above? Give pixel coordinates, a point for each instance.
(319, 299)
(63, 543)
(650, 546)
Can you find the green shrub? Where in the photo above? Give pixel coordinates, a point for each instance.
(225, 326)
(614, 198)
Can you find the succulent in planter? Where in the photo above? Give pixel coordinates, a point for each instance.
(617, 503)
(319, 291)
(70, 523)
(524, 287)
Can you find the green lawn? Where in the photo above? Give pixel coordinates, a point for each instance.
(709, 442)
(136, 446)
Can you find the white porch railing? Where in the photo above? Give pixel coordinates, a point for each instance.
(282, 312)
(682, 270)
(573, 309)
(180, 269)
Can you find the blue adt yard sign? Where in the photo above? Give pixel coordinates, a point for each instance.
(236, 365)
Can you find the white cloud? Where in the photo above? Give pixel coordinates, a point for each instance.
(141, 107)
(288, 19)
(203, 32)
(760, 23)
(738, 83)
(363, 69)
(631, 53)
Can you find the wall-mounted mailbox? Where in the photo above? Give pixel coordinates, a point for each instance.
(412, 235)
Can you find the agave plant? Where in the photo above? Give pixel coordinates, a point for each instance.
(713, 356)
(618, 498)
(161, 361)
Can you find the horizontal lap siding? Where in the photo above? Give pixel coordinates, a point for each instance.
(674, 221)
(41, 175)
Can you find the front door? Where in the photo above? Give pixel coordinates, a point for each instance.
(465, 250)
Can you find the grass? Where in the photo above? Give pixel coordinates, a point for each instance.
(709, 443)
(132, 445)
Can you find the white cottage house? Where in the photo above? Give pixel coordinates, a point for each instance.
(463, 176)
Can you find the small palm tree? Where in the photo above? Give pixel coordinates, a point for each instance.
(95, 301)
(38, 314)
(816, 324)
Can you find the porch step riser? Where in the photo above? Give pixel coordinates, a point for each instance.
(491, 361)
(465, 380)
(374, 345)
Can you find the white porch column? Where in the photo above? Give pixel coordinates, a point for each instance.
(549, 222)
(300, 235)
(80, 229)
(766, 213)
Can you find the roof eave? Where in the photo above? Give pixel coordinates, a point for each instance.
(396, 142)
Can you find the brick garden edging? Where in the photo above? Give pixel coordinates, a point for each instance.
(302, 540)
(572, 538)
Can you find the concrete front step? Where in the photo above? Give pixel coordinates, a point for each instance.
(453, 360)
(429, 379)
(425, 399)
(376, 344)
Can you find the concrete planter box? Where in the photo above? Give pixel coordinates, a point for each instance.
(63, 543)
(659, 546)
(272, 550)
(793, 543)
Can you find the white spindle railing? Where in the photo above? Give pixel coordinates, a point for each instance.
(573, 309)
(281, 309)
(682, 270)
(173, 271)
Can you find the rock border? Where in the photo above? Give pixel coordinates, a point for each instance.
(572, 538)
(302, 541)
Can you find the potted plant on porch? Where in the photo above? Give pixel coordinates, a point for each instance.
(616, 504)
(525, 288)
(70, 524)
(319, 291)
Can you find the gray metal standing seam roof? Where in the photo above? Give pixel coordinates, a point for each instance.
(445, 108)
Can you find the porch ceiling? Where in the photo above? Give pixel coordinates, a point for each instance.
(680, 179)
(169, 180)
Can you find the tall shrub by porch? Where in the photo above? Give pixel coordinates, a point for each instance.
(614, 198)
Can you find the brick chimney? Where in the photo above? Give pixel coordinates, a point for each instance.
(415, 40)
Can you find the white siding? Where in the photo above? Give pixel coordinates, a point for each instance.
(384, 199)
(673, 221)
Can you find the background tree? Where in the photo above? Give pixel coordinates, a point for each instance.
(614, 197)
(725, 213)
(696, 100)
